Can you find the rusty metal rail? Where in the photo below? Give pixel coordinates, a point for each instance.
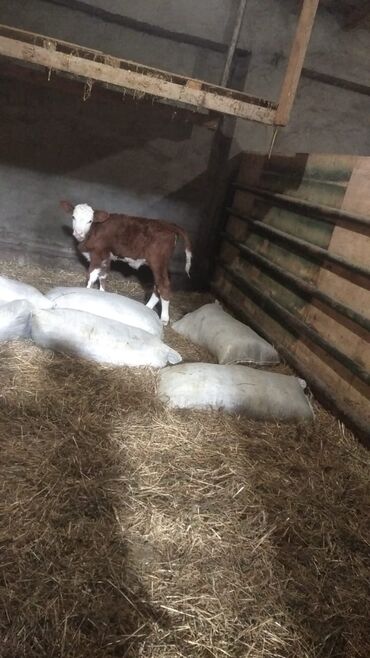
(321, 212)
(307, 248)
(295, 325)
(297, 284)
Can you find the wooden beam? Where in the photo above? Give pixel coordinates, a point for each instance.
(295, 62)
(72, 86)
(143, 80)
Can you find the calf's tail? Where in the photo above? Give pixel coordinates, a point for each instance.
(188, 253)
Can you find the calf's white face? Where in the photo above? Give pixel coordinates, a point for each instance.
(83, 216)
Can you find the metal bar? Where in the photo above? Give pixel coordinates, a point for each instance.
(295, 62)
(234, 40)
(318, 388)
(306, 289)
(302, 245)
(322, 212)
(295, 325)
(336, 82)
(181, 89)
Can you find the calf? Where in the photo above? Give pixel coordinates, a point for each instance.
(104, 237)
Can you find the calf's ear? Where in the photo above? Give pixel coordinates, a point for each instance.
(67, 206)
(100, 216)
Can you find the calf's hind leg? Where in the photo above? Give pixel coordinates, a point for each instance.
(164, 287)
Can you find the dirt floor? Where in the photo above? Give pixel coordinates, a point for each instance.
(128, 530)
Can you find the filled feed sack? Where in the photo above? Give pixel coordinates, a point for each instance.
(257, 394)
(15, 319)
(229, 340)
(11, 290)
(98, 339)
(108, 305)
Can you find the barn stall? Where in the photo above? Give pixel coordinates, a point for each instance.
(129, 528)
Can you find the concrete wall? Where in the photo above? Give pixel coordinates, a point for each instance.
(212, 20)
(149, 158)
(103, 151)
(325, 119)
(144, 158)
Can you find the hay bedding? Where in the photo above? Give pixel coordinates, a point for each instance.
(127, 530)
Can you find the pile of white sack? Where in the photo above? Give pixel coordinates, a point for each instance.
(102, 327)
(229, 386)
(112, 329)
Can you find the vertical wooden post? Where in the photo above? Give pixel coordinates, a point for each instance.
(295, 62)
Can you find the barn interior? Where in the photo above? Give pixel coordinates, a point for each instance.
(127, 528)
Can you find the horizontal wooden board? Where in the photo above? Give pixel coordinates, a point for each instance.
(128, 75)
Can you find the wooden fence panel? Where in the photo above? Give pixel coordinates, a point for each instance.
(269, 232)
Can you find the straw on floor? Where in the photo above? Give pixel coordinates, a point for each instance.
(129, 530)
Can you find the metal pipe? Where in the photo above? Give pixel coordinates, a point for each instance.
(295, 325)
(319, 389)
(233, 42)
(322, 212)
(297, 284)
(336, 82)
(318, 253)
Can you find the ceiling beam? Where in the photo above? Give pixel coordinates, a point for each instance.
(70, 85)
(142, 80)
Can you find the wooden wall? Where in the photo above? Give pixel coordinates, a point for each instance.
(294, 263)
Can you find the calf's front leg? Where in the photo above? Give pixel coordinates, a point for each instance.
(94, 273)
(154, 299)
(103, 273)
(97, 270)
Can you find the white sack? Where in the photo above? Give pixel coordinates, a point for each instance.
(15, 319)
(107, 305)
(229, 340)
(10, 290)
(257, 394)
(98, 339)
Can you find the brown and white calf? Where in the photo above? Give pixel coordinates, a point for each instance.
(104, 237)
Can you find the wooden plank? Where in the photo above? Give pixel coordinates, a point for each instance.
(295, 63)
(139, 81)
(344, 185)
(281, 334)
(313, 170)
(354, 341)
(352, 416)
(352, 244)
